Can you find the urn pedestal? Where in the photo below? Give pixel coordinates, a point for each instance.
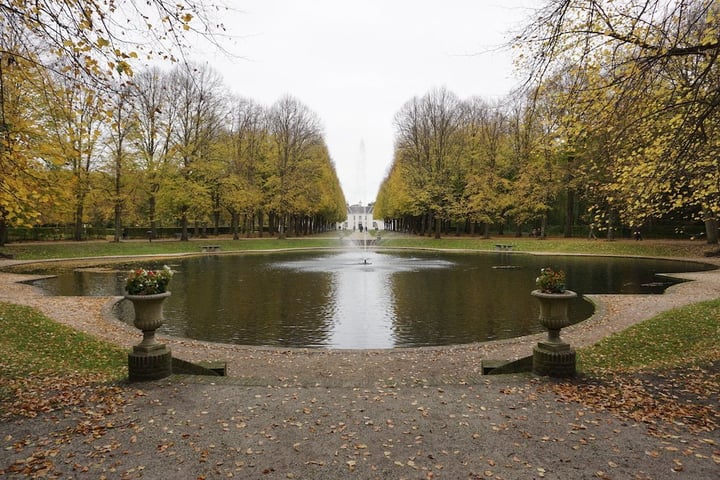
(149, 360)
(553, 357)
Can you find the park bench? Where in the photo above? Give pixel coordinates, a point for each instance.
(503, 246)
(210, 248)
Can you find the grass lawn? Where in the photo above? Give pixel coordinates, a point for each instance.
(46, 365)
(71, 250)
(680, 337)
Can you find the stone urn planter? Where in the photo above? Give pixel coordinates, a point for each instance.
(149, 360)
(553, 356)
(148, 315)
(553, 311)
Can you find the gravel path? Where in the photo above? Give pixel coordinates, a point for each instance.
(405, 413)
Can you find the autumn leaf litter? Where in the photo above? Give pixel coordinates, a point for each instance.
(501, 427)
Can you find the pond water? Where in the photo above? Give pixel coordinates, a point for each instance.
(372, 299)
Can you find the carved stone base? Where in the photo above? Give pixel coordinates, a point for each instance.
(554, 360)
(149, 363)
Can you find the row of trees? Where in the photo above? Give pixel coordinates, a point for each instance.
(174, 148)
(168, 148)
(87, 139)
(620, 118)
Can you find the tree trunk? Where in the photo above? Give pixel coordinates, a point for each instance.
(216, 223)
(569, 213)
(118, 202)
(611, 223)
(152, 205)
(711, 227)
(281, 226)
(78, 232)
(250, 225)
(3, 231)
(118, 222)
(234, 222)
(438, 227)
(184, 237)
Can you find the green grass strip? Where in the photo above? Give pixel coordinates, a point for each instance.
(557, 245)
(69, 250)
(683, 336)
(34, 345)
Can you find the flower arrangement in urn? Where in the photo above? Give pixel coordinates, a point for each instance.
(148, 282)
(551, 281)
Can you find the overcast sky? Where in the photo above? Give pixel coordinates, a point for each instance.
(356, 63)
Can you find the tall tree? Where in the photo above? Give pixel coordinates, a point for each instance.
(294, 132)
(153, 135)
(122, 123)
(247, 151)
(198, 112)
(316, 193)
(429, 144)
(661, 58)
(394, 202)
(23, 187)
(331, 206)
(95, 43)
(487, 183)
(73, 122)
(535, 180)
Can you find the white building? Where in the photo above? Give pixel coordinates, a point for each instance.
(361, 216)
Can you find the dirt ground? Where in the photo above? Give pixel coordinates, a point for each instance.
(391, 414)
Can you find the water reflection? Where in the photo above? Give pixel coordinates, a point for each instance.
(357, 299)
(453, 305)
(362, 312)
(245, 300)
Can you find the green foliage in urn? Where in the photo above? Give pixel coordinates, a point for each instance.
(551, 281)
(148, 282)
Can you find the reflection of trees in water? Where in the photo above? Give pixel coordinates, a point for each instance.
(256, 305)
(454, 306)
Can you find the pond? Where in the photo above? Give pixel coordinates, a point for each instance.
(372, 299)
